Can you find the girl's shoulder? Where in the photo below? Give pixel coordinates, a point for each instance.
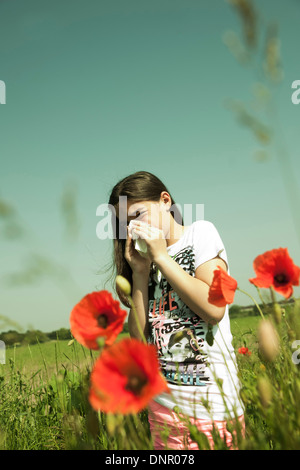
(203, 227)
(202, 223)
(200, 231)
(206, 236)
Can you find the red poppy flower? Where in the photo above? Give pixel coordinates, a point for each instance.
(244, 351)
(222, 289)
(97, 315)
(126, 377)
(276, 268)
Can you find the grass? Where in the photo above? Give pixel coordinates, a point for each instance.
(244, 332)
(44, 397)
(54, 355)
(50, 356)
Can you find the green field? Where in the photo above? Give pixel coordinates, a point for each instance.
(44, 397)
(244, 330)
(52, 356)
(48, 357)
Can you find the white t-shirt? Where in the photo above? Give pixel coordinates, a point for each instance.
(189, 364)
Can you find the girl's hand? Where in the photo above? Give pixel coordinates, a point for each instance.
(154, 238)
(138, 263)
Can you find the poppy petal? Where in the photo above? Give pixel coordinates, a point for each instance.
(222, 289)
(275, 268)
(84, 323)
(126, 377)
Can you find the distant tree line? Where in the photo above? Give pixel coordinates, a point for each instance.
(13, 337)
(241, 311)
(238, 311)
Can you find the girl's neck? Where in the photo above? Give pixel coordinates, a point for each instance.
(175, 232)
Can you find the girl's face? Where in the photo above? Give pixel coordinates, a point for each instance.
(153, 213)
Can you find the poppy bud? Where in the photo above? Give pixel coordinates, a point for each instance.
(268, 340)
(176, 409)
(199, 437)
(219, 382)
(193, 431)
(291, 334)
(111, 423)
(264, 391)
(277, 313)
(123, 285)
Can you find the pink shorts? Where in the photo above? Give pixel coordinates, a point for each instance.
(162, 418)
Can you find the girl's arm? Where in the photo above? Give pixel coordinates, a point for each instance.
(140, 300)
(193, 291)
(140, 276)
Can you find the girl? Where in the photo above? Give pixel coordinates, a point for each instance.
(170, 287)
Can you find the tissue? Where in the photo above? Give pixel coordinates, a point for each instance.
(139, 244)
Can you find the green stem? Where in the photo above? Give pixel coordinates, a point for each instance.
(260, 296)
(259, 309)
(273, 296)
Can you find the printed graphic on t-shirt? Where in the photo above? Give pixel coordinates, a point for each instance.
(177, 332)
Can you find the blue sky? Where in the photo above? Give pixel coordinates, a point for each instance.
(97, 90)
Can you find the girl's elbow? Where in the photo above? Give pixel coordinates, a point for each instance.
(218, 315)
(215, 315)
(211, 316)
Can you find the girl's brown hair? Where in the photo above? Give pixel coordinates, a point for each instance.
(139, 186)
